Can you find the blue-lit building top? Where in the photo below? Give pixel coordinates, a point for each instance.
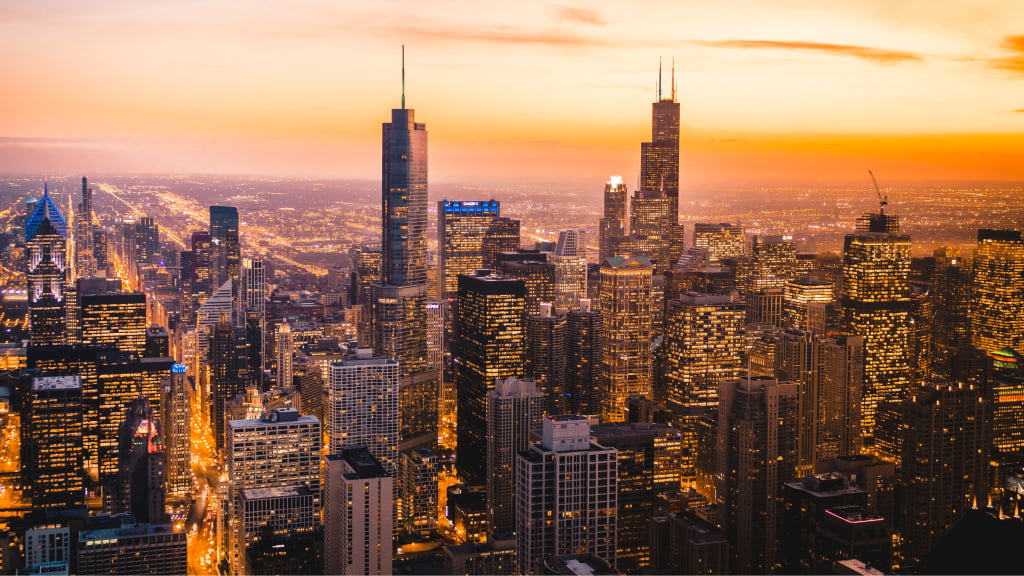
(471, 207)
(44, 209)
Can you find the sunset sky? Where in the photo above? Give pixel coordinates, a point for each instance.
(525, 92)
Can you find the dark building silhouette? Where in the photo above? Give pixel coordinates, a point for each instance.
(140, 485)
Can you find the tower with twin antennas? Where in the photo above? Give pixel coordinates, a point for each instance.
(400, 300)
(659, 158)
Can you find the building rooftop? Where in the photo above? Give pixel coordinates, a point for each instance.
(57, 383)
(249, 494)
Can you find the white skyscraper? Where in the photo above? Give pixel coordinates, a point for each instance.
(566, 495)
(362, 406)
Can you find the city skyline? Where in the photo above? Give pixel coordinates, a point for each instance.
(794, 92)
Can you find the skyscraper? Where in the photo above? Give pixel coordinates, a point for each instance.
(659, 158)
(226, 250)
(115, 320)
(140, 485)
(358, 511)
(46, 237)
(85, 265)
(489, 346)
(147, 240)
(876, 305)
(52, 442)
(613, 224)
(176, 418)
(545, 357)
(945, 456)
(566, 495)
(570, 271)
(653, 223)
(501, 236)
(757, 451)
(997, 314)
(400, 301)
(362, 406)
(224, 382)
(461, 227)
(252, 316)
(627, 304)
(704, 344)
(584, 363)
(514, 409)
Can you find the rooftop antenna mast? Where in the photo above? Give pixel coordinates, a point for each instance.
(403, 76)
(673, 78)
(659, 78)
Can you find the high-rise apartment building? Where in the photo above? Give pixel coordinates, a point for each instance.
(953, 294)
(798, 295)
(876, 305)
(119, 545)
(358, 511)
(46, 237)
(461, 227)
(997, 308)
(418, 490)
(147, 240)
(757, 453)
(627, 303)
(584, 363)
(536, 273)
(840, 387)
(514, 409)
(362, 406)
(613, 224)
(546, 357)
(704, 344)
(490, 338)
(771, 264)
(566, 495)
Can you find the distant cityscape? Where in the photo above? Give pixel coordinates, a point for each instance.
(242, 375)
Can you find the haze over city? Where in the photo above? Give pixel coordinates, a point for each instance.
(538, 92)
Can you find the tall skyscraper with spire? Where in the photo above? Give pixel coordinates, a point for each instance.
(400, 300)
(659, 158)
(46, 236)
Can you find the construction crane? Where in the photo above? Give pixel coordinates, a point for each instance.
(882, 200)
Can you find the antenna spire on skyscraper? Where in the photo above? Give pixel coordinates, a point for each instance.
(659, 78)
(403, 76)
(673, 78)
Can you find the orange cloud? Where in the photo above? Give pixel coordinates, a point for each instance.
(502, 35)
(581, 15)
(1014, 63)
(880, 55)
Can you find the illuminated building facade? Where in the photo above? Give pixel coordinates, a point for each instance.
(757, 453)
(46, 239)
(876, 304)
(362, 406)
(417, 480)
(584, 364)
(546, 358)
(501, 236)
(570, 271)
(51, 435)
(953, 292)
(566, 495)
(119, 545)
(654, 228)
(704, 343)
(147, 240)
(945, 463)
(771, 264)
(489, 347)
(461, 226)
(997, 309)
(648, 464)
(272, 518)
(721, 240)
(115, 320)
(840, 385)
(176, 420)
(253, 318)
(536, 273)
(222, 365)
(798, 293)
(226, 250)
(627, 304)
(613, 224)
(515, 408)
(85, 261)
(659, 158)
